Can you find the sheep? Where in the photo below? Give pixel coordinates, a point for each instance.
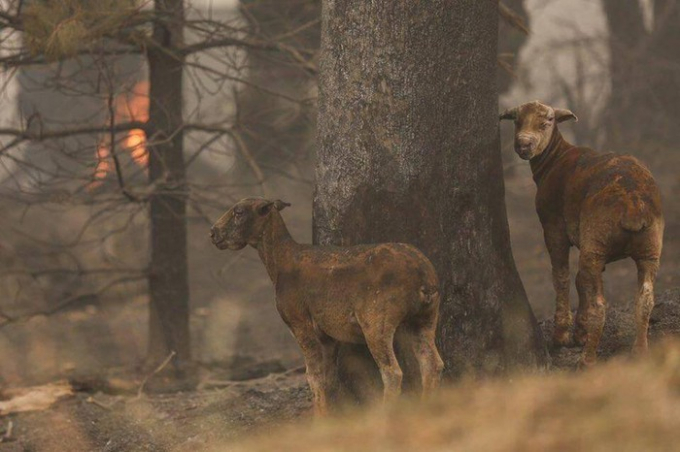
(327, 295)
(608, 206)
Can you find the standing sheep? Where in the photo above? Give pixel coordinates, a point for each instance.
(327, 295)
(607, 206)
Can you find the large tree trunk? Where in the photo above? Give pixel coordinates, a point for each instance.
(409, 152)
(168, 280)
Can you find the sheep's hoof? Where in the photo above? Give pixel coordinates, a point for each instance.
(584, 364)
(639, 348)
(580, 337)
(562, 338)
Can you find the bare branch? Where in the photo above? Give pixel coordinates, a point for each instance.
(512, 18)
(52, 134)
(68, 302)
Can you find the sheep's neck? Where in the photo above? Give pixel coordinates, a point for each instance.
(541, 164)
(275, 246)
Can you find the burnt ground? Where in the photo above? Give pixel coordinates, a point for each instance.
(258, 388)
(184, 421)
(230, 404)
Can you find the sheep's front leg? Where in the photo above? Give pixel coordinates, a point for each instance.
(312, 350)
(330, 367)
(557, 243)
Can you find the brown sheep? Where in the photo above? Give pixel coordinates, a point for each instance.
(608, 206)
(327, 295)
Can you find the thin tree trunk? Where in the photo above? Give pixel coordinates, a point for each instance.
(409, 152)
(168, 280)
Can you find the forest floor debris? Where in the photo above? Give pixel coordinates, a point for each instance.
(630, 404)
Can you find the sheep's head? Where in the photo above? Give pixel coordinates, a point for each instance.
(244, 223)
(534, 126)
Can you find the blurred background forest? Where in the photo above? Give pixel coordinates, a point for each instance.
(91, 218)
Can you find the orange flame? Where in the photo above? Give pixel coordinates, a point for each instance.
(130, 106)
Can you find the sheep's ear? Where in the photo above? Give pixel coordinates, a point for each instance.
(280, 205)
(562, 114)
(264, 209)
(510, 113)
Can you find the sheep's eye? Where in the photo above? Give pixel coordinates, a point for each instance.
(545, 125)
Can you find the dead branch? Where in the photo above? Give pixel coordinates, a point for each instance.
(512, 18)
(165, 362)
(67, 303)
(252, 163)
(54, 134)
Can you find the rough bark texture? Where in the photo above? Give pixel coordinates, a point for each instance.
(168, 280)
(409, 152)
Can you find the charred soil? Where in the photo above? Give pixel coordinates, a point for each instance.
(230, 407)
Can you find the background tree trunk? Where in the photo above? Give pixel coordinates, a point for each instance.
(168, 280)
(409, 152)
(629, 91)
(644, 103)
(665, 48)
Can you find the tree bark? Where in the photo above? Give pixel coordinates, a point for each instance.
(408, 151)
(168, 279)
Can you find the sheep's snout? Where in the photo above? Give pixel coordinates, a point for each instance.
(217, 238)
(222, 240)
(525, 146)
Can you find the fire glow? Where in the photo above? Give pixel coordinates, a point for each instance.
(129, 106)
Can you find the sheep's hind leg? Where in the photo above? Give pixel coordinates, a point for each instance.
(590, 290)
(431, 364)
(380, 340)
(644, 301)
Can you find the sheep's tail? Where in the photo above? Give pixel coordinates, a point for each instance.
(429, 295)
(636, 217)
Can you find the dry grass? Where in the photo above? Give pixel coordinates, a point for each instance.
(624, 405)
